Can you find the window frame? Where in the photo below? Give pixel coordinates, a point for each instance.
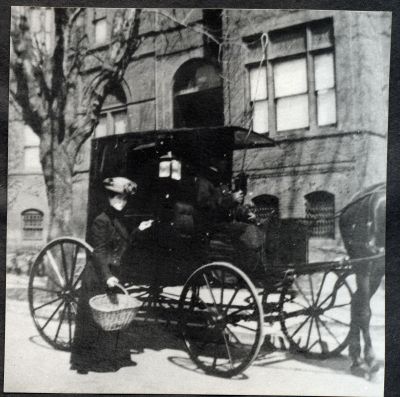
(309, 53)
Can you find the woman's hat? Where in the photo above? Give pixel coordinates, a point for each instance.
(120, 185)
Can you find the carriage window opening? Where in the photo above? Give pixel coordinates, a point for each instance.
(198, 96)
(259, 98)
(302, 89)
(266, 207)
(320, 213)
(31, 150)
(32, 221)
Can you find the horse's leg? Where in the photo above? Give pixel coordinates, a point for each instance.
(376, 274)
(359, 315)
(354, 336)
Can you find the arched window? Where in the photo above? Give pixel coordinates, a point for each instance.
(32, 224)
(198, 97)
(267, 206)
(113, 117)
(320, 211)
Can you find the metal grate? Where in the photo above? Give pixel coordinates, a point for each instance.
(320, 214)
(32, 225)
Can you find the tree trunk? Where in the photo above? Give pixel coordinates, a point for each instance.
(57, 172)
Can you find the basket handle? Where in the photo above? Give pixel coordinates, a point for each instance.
(123, 289)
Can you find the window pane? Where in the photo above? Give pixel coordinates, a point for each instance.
(100, 31)
(32, 159)
(324, 71)
(290, 77)
(101, 129)
(35, 20)
(292, 112)
(31, 139)
(258, 83)
(119, 122)
(326, 105)
(49, 18)
(260, 116)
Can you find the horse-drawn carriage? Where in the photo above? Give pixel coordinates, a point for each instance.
(221, 307)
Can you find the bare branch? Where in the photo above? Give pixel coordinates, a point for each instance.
(74, 16)
(183, 23)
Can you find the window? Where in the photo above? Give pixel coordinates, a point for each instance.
(42, 27)
(36, 20)
(100, 26)
(31, 150)
(301, 89)
(48, 28)
(32, 221)
(113, 118)
(266, 207)
(320, 212)
(198, 96)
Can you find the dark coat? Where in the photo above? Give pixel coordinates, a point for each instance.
(214, 203)
(218, 214)
(93, 348)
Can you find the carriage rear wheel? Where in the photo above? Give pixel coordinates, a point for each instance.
(221, 319)
(53, 291)
(315, 313)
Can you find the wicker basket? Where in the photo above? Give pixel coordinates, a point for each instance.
(114, 312)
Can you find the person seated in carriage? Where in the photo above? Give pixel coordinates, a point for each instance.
(221, 215)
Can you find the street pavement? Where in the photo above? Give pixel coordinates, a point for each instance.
(32, 366)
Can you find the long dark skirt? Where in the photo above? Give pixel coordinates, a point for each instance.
(94, 349)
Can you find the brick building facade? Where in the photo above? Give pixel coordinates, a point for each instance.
(314, 81)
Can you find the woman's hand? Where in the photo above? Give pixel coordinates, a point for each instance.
(112, 282)
(145, 224)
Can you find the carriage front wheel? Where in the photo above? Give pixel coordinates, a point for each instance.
(221, 319)
(53, 291)
(315, 312)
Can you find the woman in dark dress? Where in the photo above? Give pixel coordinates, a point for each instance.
(94, 349)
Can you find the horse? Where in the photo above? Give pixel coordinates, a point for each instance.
(362, 226)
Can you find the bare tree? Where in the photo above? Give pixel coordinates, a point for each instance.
(47, 88)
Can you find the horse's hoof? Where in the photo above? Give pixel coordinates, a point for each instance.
(373, 366)
(359, 369)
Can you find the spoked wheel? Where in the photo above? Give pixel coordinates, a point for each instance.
(315, 313)
(221, 319)
(53, 292)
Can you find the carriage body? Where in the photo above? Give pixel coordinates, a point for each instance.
(173, 248)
